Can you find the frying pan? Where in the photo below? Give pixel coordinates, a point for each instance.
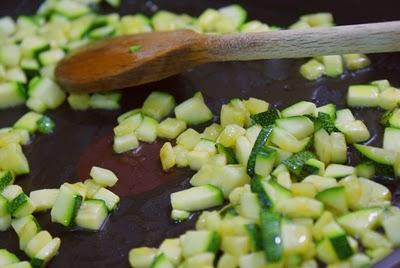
(83, 139)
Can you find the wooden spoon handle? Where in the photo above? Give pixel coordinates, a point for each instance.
(362, 38)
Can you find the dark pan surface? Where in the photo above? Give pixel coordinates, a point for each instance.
(84, 139)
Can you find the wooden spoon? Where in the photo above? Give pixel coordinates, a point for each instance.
(109, 64)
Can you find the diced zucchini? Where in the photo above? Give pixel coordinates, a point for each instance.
(180, 154)
(254, 260)
(381, 84)
(334, 199)
(127, 114)
(172, 250)
(7, 26)
(391, 118)
(197, 198)
(338, 148)
(301, 207)
(91, 188)
(243, 150)
(332, 250)
(313, 166)
(80, 102)
(391, 139)
(296, 239)
(71, 9)
(344, 115)
(168, 21)
(287, 141)
(382, 156)
(16, 74)
(300, 108)
(37, 242)
(356, 61)
(196, 159)
(52, 56)
(167, 156)
(362, 96)
(7, 257)
(299, 126)
(389, 98)
(47, 91)
(371, 239)
(253, 231)
(20, 206)
(321, 19)
(132, 24)
(266, 118)
(29, 121)
(236, 13)
(296, 162)
(312, 69)
(27, 232)
(92, 214)
(265, 161)
(196, 242)
(78, 188)
(125, 143)
(142, 257)
(303, 189)
(11, 94)
(102, 32)
(333, 65)
(227, 261)
(66, 206)
(193, 111)
(180, 215)
(19, 224)
(110, 199)
(205, 146)
(229, 135)
(147, 131)
(235, 245)
(325, 121)
(227, 152)
(44, 199)
(249, 206)
(129, 125)
(260, 142)
(103, 177)
(161, 261)
(158, 105)
(47, 252)
(13, 159)
(390, 225)
(109, 101)
(323, 145)
(10, 55)
(355, 223)
(321, 183)
(170, 128)
(355, 131)
(255, 106)
(365, 170)
(354, 190)
(270, 223)
(212, 132)
(329, 109)
(6, 178)
(188, 139)
(339, 171)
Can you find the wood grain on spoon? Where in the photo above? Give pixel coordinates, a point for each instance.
(109, 64)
